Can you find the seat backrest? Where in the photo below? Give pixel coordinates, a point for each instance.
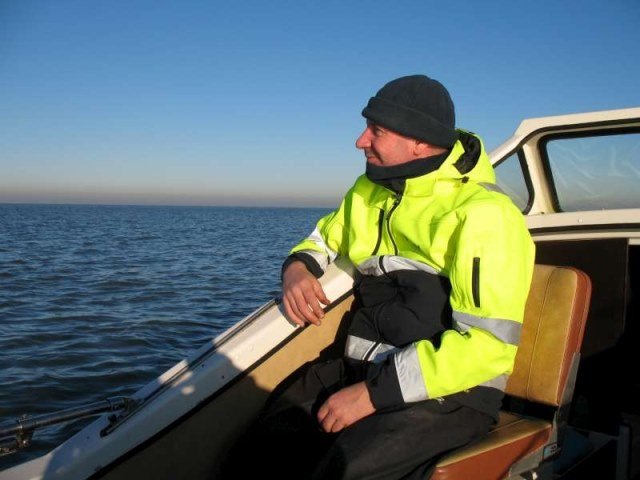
(555, 317)
(544, 373)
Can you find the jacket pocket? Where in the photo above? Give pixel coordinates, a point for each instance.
(475, 281)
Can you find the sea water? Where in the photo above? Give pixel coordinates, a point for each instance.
(96, 301)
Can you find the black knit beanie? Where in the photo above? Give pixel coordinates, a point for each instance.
(415, 106)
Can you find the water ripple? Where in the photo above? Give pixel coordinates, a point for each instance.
(96, 301)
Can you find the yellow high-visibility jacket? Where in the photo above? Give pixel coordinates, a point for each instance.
(454, 222)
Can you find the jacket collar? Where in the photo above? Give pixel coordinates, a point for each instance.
(467, 159)
(395, 177)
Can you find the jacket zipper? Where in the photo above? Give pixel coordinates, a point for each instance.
(369, 353)
(393, 207)
(475, 281)
(380, 227)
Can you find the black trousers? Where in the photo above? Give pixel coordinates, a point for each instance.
(403, 443)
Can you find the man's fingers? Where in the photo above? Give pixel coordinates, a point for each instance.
(314, 305)
(322, 412)
(337, 427)
(303, 294)
(302, 300)
(345, 407)
(331, 425)
(295, 313)
(320, 295)
(328, 420)
(291, 312)
(302, 308)
(327, 425)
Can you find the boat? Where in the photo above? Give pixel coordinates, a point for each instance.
(576, 178)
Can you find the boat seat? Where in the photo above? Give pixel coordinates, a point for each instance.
(543, 376)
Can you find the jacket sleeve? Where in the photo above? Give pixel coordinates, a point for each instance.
(327, 241)
(490, 273)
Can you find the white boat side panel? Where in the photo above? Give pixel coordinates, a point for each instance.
(532, 124)
(587, 236)
(568, 220)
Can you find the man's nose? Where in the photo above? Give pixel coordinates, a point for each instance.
(363, 140)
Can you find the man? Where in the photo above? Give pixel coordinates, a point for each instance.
(444, 263)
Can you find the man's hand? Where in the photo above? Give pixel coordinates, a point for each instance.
(345, 407)
(302, 295)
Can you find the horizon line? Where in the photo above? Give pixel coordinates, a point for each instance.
(78, 204)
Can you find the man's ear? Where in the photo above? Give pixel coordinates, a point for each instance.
(421, 149)
(424, 149)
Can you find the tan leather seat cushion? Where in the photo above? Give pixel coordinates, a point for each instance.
(512, 438)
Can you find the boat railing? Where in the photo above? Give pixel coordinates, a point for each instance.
(16, 435)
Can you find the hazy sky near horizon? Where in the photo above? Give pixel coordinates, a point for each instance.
(258, 103)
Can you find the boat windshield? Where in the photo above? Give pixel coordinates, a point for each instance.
(511, 177)
(595, 172)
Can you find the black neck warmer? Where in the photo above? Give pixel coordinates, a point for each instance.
(394, 177)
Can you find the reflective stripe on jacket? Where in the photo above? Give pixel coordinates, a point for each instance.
(452, 222)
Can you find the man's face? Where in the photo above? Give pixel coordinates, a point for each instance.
(384, 147)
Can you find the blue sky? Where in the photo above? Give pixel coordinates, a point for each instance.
(258, 102)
